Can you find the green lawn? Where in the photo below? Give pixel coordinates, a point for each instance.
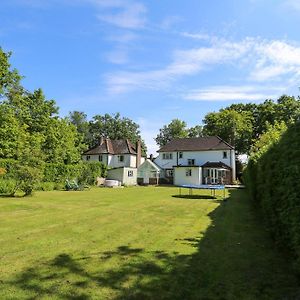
(138, 243)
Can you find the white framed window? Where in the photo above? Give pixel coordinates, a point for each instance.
(180, 155)
(167, 156)
(88, 157)
(130, 173)
(120, 158)
(191, 162)
(188, 172)
(169, 173)
(225, 155)
(100, 158)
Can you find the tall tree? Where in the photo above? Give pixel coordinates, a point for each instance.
(196, 131)
(114, 127)
(175, 129)
(9, 78)
(234, 127)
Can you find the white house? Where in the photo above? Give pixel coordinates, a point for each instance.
(121, 156)
(203, 160)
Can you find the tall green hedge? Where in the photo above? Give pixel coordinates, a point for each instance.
(84, 172)
(273, 180)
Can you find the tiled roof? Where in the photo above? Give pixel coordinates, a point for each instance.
(196, 144)
(216, 164)
(112, 147)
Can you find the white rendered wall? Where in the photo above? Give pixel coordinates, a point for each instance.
(121, 174)
(201, 157)
(180, 177)
(94, 158)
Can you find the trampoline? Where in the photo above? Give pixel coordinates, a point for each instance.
(211, 187)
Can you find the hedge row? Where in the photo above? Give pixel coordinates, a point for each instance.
(273, 179)
(85, 173)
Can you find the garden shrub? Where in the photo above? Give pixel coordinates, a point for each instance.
(45, 186)
(85, 172)
(7, 186)
(273, 180)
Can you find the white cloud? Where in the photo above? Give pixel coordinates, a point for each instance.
(233, 93)
(257, 59)
(294, 4)
(129, 15)
(118, 56)
(197, 36)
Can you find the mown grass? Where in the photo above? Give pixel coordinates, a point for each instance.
(138, 243)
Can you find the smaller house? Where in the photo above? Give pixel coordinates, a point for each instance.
(120, 156)
(148, 173)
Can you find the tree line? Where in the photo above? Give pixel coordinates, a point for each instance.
(33, 134)
(238, 124)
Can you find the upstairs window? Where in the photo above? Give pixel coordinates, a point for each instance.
(167, 156)
(224, 154)
(130, 173)
(191, 162)
(188, 172)
(120, 158)
(180, 155)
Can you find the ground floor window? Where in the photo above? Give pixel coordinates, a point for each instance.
(188, 172)
(88, 157)
(130, 173)
(120, 158)
(100, 157)
(169, 173)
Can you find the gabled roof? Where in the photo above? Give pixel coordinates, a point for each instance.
(151, 163)
(112, 147)
(196, 144)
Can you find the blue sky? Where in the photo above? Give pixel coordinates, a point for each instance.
(154, 61)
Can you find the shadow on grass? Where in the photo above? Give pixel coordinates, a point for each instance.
(194, 196)
(234, 259)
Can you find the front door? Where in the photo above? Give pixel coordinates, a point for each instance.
(213, 174)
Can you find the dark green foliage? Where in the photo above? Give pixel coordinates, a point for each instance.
(90, 172)
(272, 177)
(45, 186)
(242, 124)
(7, 186)
(114, 127)
(85, 173)
(176, 129)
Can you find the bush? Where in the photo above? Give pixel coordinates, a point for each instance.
(90, 171)
(272, 177)
(7, 186)
(45, 186)
(85, 172)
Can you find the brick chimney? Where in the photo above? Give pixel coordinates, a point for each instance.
(138, 153)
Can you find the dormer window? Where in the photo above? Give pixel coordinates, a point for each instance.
(224, 154)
